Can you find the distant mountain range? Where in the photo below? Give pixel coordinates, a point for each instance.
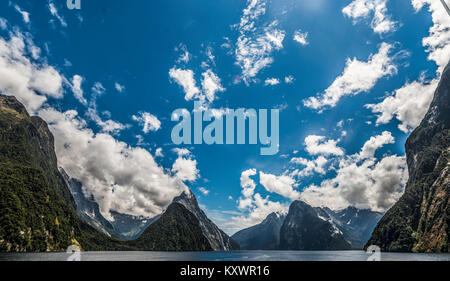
(43, 209)
(308, 228)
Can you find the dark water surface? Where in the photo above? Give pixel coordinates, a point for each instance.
(225, 256)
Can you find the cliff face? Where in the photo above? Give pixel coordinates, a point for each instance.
(37, 211)
(218, 239)
(420, 220)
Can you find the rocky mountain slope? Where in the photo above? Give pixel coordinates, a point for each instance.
(218, 239)
(420, 220)
(355, 224)
(263, 236)
(304, 229)
(177, 229)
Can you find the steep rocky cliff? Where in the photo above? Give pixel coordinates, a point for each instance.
(218, 239)
(37, 211)
(420, 220)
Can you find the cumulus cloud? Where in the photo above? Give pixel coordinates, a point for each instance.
(318, 145)
(358, 77)
(77, 80)
(381, 22)
(374, 143)
(256, 42)
(185, 167)
(121, 178)
(310, 166)
(211, 85)
(289, 79)
(271, 81)
(301, 37)
(247, 183)
(408, 104)
(282, 185)
(30, 81)
(362, 181)
(149, 122)
(185, 78)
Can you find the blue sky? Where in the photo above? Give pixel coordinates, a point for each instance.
(370, 66)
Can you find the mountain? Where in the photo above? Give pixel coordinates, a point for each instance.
(37, 211)
(123, 226)
(355, 224)
(304, 229)
(218, 239)
(177, 229)
(420, 220)
(263, 236)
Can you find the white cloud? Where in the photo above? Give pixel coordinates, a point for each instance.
(31, 82)
(203, 190)
(3, 23)
(357, 77)
(318, 145)
(362, 181)
(248, 184)
(211, 84)
(282, 185)
(438, 41)
(381, 22)
(158, 152)
(182, 151)
(77, 80)
(119, 88)
(25, 15)
(108, 126)
(408, 104)
(148, 121)
(185, 78)
(54, 11)
(185, 168)
(289, 79)
(272, 81)
(121, 178)
(301, 37)
(256, 43)
(374, 143)
(311, 166)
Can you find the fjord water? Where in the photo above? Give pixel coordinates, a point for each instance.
(226, 256)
